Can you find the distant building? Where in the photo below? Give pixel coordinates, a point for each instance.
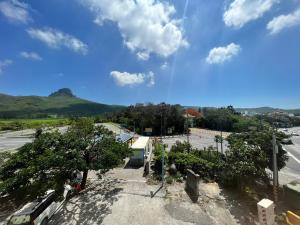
(249, 113)
(291, 115)
(190, 115)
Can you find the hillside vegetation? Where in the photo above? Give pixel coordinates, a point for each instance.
(59, 103)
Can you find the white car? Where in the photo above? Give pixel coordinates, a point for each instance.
(39, 211)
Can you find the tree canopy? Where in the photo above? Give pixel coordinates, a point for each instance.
(51, 159)
(141, 116)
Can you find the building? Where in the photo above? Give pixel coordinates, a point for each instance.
(142, 148)
(190, 115)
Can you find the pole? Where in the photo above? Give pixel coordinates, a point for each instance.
(275, 168)
(162, 148)
(187, 131)
(221, 141)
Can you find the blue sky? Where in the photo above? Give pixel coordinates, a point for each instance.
(193, 52)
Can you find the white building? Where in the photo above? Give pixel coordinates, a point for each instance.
(142, 147)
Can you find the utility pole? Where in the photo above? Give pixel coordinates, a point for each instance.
(275, 168)
(162, 149)
(187, 131)
(221, 141)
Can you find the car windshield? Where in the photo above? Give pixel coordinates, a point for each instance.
(19, 220)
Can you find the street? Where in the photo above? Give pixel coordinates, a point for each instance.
(12, 140)
(292, 169)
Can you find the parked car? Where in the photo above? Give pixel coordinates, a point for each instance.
(295, 134)
(39, 211)
(287, 141)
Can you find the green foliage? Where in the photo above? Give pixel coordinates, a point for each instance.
(244, 164)
(180, 147)
(19, 124)
(169, 180)
(142, 116)
(52, 157)
(157, 152)
(263, 140)
(226, 119)
(245, 161)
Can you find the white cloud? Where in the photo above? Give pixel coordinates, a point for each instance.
(131, 79)
(57, 39)
(31, 55)
(143, 56)
(164, 66)
(282, 22)
(147, 26)
(241, 12)
(15, 11)
(220, 55)
(4, 63)
(151, 79)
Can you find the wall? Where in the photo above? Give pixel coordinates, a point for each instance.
(192, 185)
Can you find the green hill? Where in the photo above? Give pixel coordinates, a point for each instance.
(61, 103)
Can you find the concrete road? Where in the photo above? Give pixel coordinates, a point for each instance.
(122, 197)
(12, 140)
(292, 169)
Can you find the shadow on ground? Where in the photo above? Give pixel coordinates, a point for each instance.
(91, 206)
(240, 206)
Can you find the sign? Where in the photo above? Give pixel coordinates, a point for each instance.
(170, 130)
(148, 130)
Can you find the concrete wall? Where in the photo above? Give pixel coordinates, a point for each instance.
(192, 185)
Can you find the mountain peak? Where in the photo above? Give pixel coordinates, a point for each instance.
(62, 92)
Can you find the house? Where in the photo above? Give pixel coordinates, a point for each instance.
(190, 115)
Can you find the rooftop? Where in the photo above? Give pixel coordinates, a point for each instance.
(141, 142)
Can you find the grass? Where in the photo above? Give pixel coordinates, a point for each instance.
(19, 124)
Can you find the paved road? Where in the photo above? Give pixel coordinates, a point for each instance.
(292, 169)
(12, 140)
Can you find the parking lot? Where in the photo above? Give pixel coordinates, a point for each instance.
(198, 138)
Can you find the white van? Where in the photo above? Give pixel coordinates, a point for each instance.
(39, 211)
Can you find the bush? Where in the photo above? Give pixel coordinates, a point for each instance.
(157, 158)
(169, 179)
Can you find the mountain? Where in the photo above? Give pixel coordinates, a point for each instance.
(61, 103)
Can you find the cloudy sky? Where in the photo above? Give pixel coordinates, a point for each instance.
(193, 52)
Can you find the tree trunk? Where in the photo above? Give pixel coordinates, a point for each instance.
(84, 178)
(85, 172)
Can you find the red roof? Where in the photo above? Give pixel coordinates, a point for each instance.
(193, 112)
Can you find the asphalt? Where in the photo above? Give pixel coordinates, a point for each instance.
(12, 140)
(292, 169)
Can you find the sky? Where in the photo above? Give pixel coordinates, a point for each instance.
(244, 53)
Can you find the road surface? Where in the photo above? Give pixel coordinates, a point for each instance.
(12, 140)
(292, 169)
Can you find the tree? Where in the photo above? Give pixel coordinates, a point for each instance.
(96, 147)
(244, 163)
(263, 140)
(51, 159)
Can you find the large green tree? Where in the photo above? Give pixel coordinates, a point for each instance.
(52, 157)
(262, 140)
